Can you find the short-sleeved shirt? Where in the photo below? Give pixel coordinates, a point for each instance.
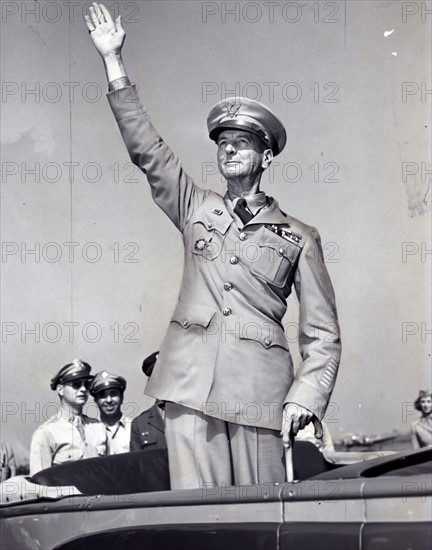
(60, 440)
(118, 436)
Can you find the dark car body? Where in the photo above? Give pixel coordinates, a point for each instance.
(379, 504)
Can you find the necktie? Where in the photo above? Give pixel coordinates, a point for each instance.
(242, 213)
(79, 425)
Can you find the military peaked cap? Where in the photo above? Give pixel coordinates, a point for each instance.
(105, 380)
(70, 372)
(242, 113)
(149, 363)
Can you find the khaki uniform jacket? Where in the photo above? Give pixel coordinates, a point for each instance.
(226, 352)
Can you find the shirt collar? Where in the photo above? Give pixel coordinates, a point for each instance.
(69, 416)
(122, 422)
(254, 202)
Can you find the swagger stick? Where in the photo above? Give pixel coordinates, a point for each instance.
(288, 446)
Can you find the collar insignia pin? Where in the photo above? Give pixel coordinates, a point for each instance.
(200, 244)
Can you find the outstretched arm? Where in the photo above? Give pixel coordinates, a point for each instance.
(172, 189)
(108, 37)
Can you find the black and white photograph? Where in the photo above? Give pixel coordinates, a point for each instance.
(216, 275)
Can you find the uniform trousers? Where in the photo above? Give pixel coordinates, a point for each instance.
(204, 450)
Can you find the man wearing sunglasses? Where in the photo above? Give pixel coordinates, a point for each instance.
(68, 435)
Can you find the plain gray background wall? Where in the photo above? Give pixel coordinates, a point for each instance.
(351, 81)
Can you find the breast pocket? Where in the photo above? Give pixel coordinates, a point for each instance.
(147, 439)
(276, 259)
(208, 233)
(67, 454)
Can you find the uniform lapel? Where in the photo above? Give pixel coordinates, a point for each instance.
(270, 214)
(155, 419)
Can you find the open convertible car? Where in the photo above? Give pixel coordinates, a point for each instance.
(124, 502)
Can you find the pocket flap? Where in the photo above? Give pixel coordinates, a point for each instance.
(268, 334)
(67, 454)
(283, 248)
(191, 314)
(214, 219)
(148, 439)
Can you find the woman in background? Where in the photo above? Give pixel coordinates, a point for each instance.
(421, 429)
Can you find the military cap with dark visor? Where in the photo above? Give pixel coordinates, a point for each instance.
(149, 363)
(242, 113)
(105, 380)
(72, 371)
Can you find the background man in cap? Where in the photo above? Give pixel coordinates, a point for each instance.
(148, 428)
(224, 367)
(68, 435)
(108, 392)
(8, 462)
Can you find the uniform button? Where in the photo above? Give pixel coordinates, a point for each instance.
(185, 323)
(234, 260)
(243, 236)
(226, 311)
(209, 225)
(228, 286)
(281, 251)
(267, 341)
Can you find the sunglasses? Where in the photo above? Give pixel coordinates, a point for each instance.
(77, 384)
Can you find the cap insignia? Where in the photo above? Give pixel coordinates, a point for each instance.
(232, 109)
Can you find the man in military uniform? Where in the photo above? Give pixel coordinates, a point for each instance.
(148, 428)
(68, 435)
(8, 462)
(224, 368)
(108, 392)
